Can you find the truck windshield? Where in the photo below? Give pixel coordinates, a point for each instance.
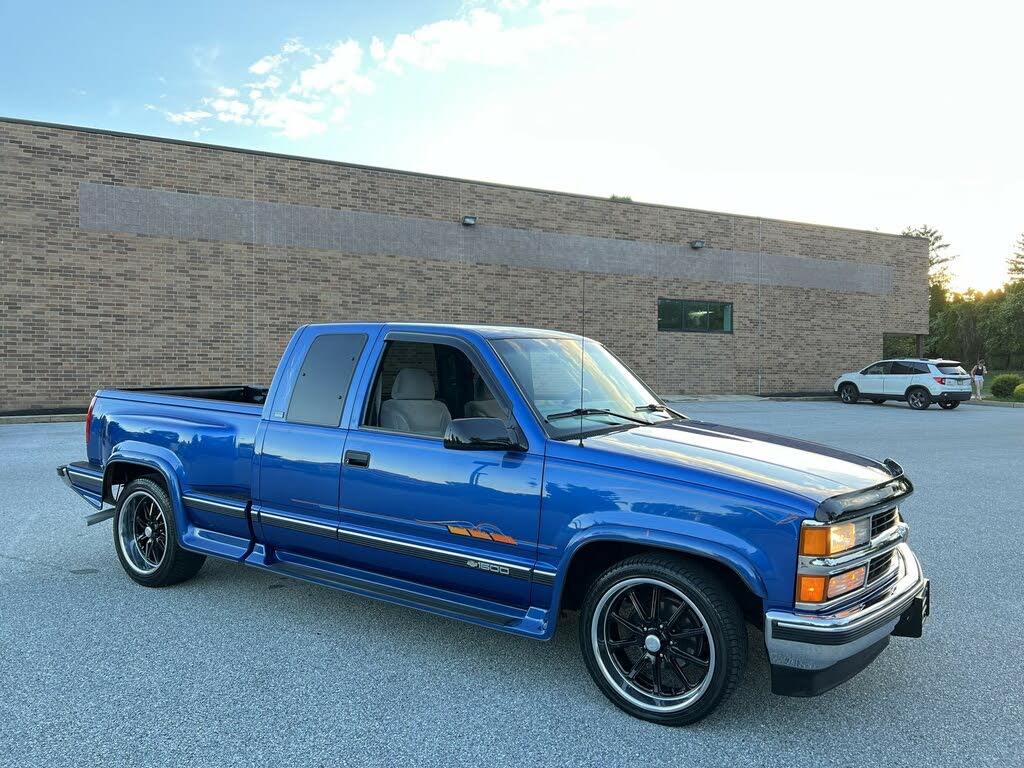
(548, 373)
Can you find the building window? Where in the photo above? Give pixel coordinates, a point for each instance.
(694, 316)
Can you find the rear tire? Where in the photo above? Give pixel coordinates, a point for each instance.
(663, 638)
(919, 398)
(146, 537)
(949, 405)
(848, 393)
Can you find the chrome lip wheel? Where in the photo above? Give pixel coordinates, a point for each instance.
(653, 644)
(142, 532)
(846, 393)
(917, 399)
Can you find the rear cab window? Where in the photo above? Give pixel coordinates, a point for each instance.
(321, 386)
(951, 368)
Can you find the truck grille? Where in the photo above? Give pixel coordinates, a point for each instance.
(879, 566)
(883, 521)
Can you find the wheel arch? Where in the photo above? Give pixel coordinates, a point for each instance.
(912, 387)
(592, 557)
(129, 462)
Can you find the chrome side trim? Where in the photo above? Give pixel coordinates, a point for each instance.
(544, 578)
(386, 544)
(210, 505)
(294, 524)
(447, 556)
(77, 476)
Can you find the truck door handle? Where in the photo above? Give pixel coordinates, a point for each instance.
(357, 458)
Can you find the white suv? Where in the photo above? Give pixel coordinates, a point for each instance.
(918, 381)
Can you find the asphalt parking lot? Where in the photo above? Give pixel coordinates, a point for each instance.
(240, 667)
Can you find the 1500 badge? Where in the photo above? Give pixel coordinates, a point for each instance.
(493, 568)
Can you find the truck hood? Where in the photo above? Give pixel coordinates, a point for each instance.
(807, 469)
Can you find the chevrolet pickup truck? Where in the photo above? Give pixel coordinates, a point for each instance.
(503, 475)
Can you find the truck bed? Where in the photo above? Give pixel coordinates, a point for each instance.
(231, 393)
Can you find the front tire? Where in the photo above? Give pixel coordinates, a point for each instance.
(663, 639)
(919, 398)
(146, 537)
(848, 393)
(949, 405)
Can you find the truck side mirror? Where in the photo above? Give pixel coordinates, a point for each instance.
(481, 434)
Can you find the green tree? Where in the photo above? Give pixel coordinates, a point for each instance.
(938, 258)
(1015, 263)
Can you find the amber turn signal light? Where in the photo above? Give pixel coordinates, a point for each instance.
(814, 541)
(810, 589)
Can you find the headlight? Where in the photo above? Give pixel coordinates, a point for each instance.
(818, 589)
(820, 540)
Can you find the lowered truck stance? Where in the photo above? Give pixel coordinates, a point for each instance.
(500, 475)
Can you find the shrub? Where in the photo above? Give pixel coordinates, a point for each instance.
(1018, 392)
(1005, 384)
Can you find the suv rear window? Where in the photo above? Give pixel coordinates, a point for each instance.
(951, 369)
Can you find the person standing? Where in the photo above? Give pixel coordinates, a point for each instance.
(978, 378)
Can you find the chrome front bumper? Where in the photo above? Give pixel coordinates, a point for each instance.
(810, 653)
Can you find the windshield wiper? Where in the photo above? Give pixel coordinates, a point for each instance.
(594, 412)
(658, 408)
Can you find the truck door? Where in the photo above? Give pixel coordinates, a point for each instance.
(465, 521)
(300, 462)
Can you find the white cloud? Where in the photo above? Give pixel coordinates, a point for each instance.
(227, 93)
(188, 116)
(270, 83)
(339, 73)
(255, 93)
(266, 64)
(480, 37)
(294, 45)
(229, 110)
(292, 118)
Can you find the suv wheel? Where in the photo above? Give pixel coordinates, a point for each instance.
(663, 639)
(918, 398)
(848, 393)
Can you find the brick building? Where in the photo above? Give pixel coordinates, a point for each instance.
(128, 260)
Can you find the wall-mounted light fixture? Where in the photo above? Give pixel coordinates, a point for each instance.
(469, 221)
(696, 244)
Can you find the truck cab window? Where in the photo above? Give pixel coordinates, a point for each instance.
(322, 384)
(420, 387)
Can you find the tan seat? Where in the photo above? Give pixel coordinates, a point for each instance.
(412, 407)
(483, 403)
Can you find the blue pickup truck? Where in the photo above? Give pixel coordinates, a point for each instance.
(502, 475)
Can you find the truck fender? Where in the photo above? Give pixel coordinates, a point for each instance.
(161, 461)
(685, 545)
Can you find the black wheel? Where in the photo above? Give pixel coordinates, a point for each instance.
(848, 393)
(919, 398)
(663, 639)
(877, 400)
(145, 537)
(949, 405)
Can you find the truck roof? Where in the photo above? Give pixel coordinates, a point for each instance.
(483, 331)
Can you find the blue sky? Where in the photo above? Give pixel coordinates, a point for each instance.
(874, 115)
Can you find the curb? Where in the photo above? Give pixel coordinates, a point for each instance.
(45, 418)
(994, 403)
